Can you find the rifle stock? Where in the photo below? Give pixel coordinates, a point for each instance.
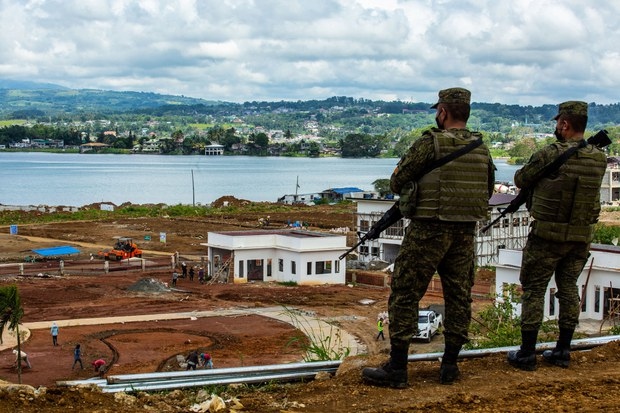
(387, 220)
(600, 139)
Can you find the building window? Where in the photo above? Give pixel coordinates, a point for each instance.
(363, 249)
(309, 268)
(293, 267)
(597, 299)
(374, 251)
(240, 268)
(552, 301)
(323, 267)
(583, 298)
(269, 267)
(280, 265)
(337, 267)
(364, 225)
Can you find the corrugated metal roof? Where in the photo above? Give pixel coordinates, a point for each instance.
(346, 190)
(60, 250)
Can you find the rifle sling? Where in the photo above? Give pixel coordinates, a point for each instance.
(559, 161)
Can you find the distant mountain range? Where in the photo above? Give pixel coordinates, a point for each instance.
(27, 85)
(35, 99)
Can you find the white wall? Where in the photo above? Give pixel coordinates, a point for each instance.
(301, 247)
(600, 272)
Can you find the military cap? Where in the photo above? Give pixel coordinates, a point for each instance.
(453, 95)
(572, 107)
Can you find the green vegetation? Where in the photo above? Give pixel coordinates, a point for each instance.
(11, 122)
(159, 210)
(499, 326)
(318, 345)
(334, 126)
(287, 283)
(606, 234)
(11, 313)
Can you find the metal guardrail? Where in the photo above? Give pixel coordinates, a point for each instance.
(277, 372)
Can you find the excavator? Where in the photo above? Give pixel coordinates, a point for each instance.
(124, 248)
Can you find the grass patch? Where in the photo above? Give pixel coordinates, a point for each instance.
(318, 345)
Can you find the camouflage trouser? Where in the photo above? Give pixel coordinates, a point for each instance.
(541, 258)
(447, 248)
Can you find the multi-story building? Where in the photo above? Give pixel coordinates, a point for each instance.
(510, 232)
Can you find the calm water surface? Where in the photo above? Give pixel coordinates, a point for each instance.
(30, 178)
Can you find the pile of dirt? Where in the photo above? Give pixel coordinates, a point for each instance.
(229, 200)
(149, 285)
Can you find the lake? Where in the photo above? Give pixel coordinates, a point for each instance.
(34, 178)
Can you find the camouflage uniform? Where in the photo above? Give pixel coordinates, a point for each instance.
(443, 205)
(434, 245)
(564, 205)
(560, 235)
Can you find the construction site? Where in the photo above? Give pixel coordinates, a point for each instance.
(136, 321)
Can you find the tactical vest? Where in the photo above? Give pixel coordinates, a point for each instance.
(566, 204)
(457, 191)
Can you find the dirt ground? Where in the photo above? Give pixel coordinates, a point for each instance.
(489, 384)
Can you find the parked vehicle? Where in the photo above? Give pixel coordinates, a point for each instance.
(429, 323)
(124, 248)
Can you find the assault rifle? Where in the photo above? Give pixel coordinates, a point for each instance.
(387, 220)
(394, 214)
(601, 139)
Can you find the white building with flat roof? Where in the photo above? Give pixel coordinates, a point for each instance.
(302, 257)
(214, 150)
(599, 283)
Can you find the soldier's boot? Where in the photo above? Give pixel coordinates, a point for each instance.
(449, 371)
(560, 355)
(525, 357)
(393, 373)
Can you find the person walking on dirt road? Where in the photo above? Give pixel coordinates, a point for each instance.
(77, 357)
(380, 329)
(175, 277)
(54, 333)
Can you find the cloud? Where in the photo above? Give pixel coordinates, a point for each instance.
(530, 52)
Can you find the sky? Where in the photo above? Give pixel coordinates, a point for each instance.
(525, 52)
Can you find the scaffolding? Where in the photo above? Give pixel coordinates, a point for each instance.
(508, 233)
(613, 315)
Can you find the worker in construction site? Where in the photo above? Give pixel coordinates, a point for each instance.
(565, 206)
(192, 360)
(380, 329)
(21, 356)
(206, 361)
(443, 203)
(99, 366)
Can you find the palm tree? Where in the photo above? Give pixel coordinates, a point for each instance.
(11, 313)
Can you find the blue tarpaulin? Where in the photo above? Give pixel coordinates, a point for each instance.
(346, 190)
(61, 250)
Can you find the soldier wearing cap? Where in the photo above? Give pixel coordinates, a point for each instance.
(565, 206)
(443, 206)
